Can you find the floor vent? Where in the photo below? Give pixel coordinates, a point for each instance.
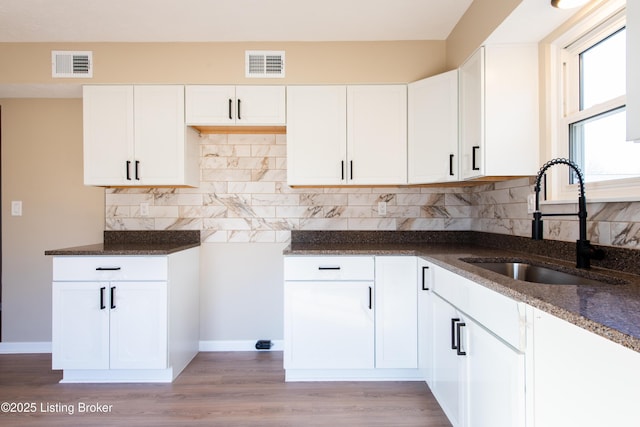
(264, 64)
(66, 64)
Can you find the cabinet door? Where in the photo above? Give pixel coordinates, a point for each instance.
(316, 135)
(396, 312)
(80, 325)
(580, 378)
(210, 105)
(633, 70)
(138, 332)
(159, 134)
(377, 134)
(260, 105)
(425, 320)
(328, 325)
(448, 368)
(433, 129)
(495, 380)
(472, 116)
(108, 132)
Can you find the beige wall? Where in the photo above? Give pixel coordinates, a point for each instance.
(331, 62)
(479, 21)
(42, 167)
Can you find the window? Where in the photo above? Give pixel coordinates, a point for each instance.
(591, 124)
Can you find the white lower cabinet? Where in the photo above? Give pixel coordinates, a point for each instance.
(449, 369)
(425, 320)
(110, 325)
(580, 378)
(396, 312)
(329, 325)
(350, 317)
(478, 377)
(125, 318)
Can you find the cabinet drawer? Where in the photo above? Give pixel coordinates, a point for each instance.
(109, 268)
(501, 315)
(329, 268)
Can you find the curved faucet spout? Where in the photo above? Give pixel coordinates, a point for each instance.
(584, 250)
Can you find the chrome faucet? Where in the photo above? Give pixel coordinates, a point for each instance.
(584, 250)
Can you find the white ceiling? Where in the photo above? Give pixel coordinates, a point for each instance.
(227, 20)
(246, 20)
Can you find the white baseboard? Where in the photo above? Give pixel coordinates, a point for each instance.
(241, 345)
(25, 347)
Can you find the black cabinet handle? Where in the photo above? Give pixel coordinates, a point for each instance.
(128, 167)
(329, 267)
(424, 280)
(342, 170)
(370, 297)
(137, 170)
(351, 170)
(113, 297)
(230, 109)
(239, 116)
(102, 306)
(454, 345)
(451, 165)
(107, 268)
(473, 157)
(459, 351)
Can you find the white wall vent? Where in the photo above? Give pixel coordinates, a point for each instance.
(71, 64)
(264, 64)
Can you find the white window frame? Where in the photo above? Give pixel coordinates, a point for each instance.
(563, 104)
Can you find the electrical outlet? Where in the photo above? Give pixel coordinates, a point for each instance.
(16, 208)
(144, 209)
(531, 203)
(382, 208)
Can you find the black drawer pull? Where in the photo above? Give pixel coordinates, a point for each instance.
(451, 165)
(370, 297)
(424, 280)
(113, 297)
(454, 342)
(458, 345)
(102, 306)
(330, 267)
(107, 268)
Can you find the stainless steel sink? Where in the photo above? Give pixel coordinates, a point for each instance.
(536, 273)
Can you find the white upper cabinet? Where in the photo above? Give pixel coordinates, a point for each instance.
(433, 129)
(316, 135)
(342, 135)
(633, 70)
(235, 105)
(377, 134)
(499, 109)
(136, 136)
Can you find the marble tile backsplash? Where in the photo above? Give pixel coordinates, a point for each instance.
(243, 197)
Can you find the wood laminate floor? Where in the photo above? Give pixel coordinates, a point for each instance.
(216, 389)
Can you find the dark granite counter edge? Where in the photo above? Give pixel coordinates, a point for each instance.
(135, 243)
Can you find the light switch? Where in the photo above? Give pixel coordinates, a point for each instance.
(16, 208)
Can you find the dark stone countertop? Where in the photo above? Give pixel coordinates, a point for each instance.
(609, 310)
(130, 243)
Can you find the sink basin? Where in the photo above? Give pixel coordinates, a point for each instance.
(536, 273)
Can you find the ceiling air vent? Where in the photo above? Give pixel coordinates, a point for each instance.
(264, 64)
(71, 64)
